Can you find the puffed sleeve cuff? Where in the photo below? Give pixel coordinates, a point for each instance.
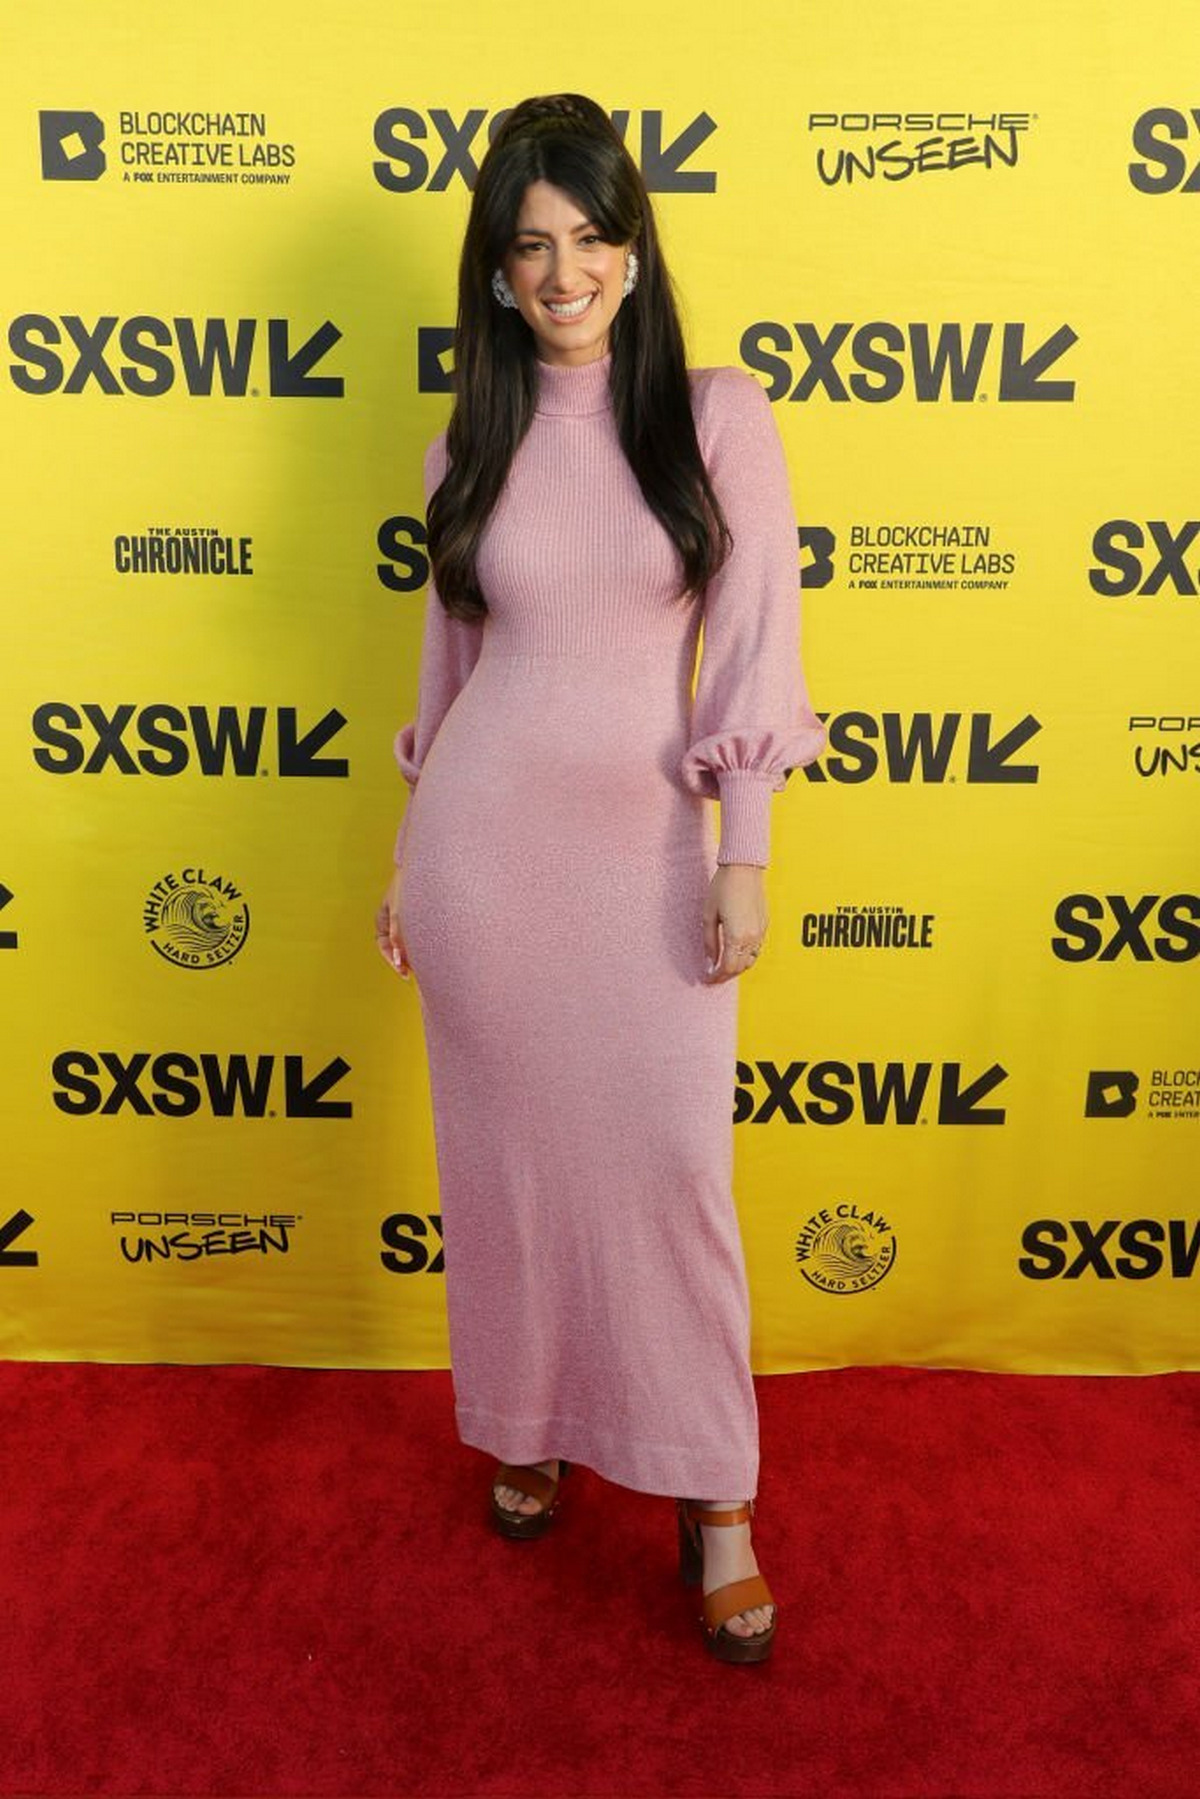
(743, 769)
(745, 817)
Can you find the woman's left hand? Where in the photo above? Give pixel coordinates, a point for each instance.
(735, 919)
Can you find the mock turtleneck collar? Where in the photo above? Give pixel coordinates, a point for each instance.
(574, 387)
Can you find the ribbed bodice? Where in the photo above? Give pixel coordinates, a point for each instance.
(572, 560)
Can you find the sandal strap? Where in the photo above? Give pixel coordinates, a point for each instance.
(698, 1514)
(534, 1483)
(736, 1596)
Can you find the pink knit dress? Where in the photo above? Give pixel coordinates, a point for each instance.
(556, 852)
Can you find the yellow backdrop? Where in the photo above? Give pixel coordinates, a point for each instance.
(959, 251)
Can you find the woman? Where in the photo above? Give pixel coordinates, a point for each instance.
(575, 932)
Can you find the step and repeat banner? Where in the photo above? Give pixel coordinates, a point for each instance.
(960, 254)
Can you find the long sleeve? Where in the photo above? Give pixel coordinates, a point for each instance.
(449, 650)
(751, 719)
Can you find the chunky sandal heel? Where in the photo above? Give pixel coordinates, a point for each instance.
(535, 1484)
(735, 1596)
(691, 1554)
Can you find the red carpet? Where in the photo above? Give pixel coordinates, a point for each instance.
(252, 1581)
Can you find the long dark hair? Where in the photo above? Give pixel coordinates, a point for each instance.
(569, 141)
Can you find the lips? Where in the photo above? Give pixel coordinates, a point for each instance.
(569, 309)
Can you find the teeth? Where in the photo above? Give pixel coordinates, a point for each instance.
(567, 312)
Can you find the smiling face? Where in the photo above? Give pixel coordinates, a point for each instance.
(558, 256)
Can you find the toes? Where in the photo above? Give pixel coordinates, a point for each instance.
(750, 1623)
(511, 1500)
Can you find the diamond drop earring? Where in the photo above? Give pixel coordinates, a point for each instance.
(631, 272)
(502, 290)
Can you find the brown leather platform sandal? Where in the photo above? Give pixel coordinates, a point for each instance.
(535, 1484)
(735, 1596)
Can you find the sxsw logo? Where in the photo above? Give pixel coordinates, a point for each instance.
(879, 1093)
(149, 356)
(414, 1243)
(159, 738)
(926, 747)
(429, 149)
(931, 363)
(70, 143)
(1150, 928)
(1136, 560)
(8, 939)
(1166, 168)
(174, 1084)
(1067, 1249)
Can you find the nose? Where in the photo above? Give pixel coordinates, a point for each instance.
(564, 280)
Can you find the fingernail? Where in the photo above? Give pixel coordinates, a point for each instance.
(708, 965)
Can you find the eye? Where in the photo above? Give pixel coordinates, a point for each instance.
(589, 237)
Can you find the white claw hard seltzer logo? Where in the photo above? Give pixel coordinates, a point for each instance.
(196, 919)
(845, 1249)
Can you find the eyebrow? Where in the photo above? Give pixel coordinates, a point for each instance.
(536, 231)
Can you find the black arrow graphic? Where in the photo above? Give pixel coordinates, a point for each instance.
(290, 368)
(957, 1104)
(662, 164)
(305, 1099)
(989, 761)
(16, 1258)
(8, 939)
(298, 755)
(1020, 375)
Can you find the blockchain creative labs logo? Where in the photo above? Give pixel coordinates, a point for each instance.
(1164, 745)
(205, 146)
(927, 556)
(195, 1236)
(867, 927)
(844, 1250)
(196, 919)
(182, 550)
(1160, 1095)
(850, 147)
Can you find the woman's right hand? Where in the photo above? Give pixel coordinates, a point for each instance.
(389, 935)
